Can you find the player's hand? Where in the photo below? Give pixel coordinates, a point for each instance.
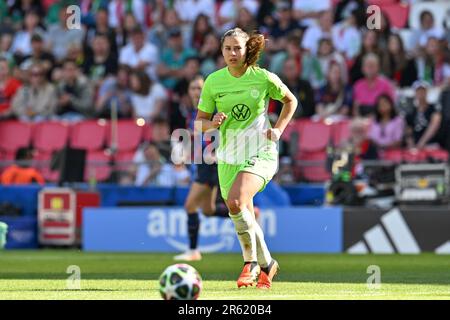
(273, 134)
(218, 119)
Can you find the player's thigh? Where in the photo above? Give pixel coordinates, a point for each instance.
(197, 192)
(244, 188)
(209, 201)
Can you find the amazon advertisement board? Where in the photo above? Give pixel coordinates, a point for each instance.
(404, 230)
(164, 229)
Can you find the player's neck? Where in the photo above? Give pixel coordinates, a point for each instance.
(237, 72)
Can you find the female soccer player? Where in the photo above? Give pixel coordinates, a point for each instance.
(247, 154)
(203, 191)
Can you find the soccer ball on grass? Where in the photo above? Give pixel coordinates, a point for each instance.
(180, 282)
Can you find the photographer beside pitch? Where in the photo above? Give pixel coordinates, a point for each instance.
(240, 92)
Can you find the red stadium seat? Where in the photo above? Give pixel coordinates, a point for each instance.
(89, 135)
(381, 2)
(414, 156)
(397, 14)
(340, 132)
(50, 136)
(129, 135)
(14, 135)
(314, 172)
(437, 154)
(41, 161)
(394, 155)
(124, 159)
(97, 162)
(314, 136)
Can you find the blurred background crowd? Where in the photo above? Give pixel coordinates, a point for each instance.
(390, 83)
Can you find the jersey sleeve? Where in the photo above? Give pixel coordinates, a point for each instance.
(206, 102)
(277, 89)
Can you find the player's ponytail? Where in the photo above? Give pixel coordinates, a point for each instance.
(255, 45)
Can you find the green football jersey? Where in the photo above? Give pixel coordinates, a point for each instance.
(244, 100)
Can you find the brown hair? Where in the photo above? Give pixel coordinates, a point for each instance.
(255, 44)
(145, 83)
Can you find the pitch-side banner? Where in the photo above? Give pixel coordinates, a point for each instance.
(164, 229)
(406, 230)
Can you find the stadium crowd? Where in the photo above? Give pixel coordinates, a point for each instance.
(140, 55)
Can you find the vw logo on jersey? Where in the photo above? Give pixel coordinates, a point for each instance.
(254, 93)
(241, 112)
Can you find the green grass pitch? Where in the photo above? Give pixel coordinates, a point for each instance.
(42, 275)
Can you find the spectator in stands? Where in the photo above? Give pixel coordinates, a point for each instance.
(384, 32)
(22, 172)
(190, 70)
(229, 10)
(299, 87)
(307, 64)
(124, 33)
(19, 10)
(327, 54)
(6, 40)
(38, 54)
(148, 97)
(346, 8)
(8, 87)
(173, 59)
(347, 36)
(387, 129)
(22, 40)
(150, 168)
(359, 143)
(424, 121)
(115, 90)
(117, 9)
(324, 29)
(160, 136)
(434, 62)
(180, 156)
(190, 10)
(427, 29)
(367, 90)
(60, 38)
(309, 11)
(139, 54)
(89, 10)
(208, 54)
(283, 25)
(102, 27)
(334, 99)
(200, 29)
(100, 62)
(183, 113)
(159, 33)
(245, 20)
(369, 45)
(399, 67)
(75, 94)
(36, 100)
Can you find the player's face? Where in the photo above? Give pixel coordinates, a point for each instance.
(233, 51)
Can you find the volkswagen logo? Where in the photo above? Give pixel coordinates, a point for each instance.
(241, 112)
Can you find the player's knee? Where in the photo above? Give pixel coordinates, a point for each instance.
(189, 207)
(236, 204)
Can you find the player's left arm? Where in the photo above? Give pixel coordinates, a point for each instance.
(287, 112)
